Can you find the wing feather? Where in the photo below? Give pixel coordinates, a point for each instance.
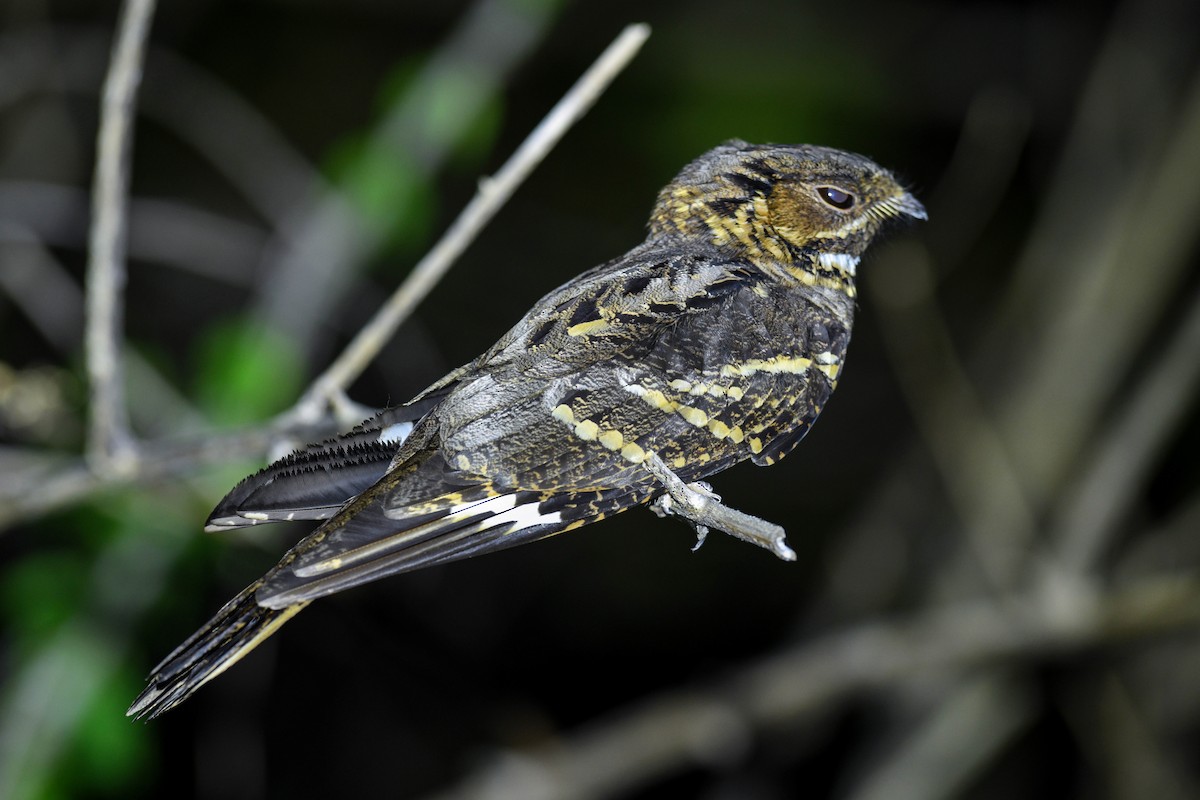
(318, 479)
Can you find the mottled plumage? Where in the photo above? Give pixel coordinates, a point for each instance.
(718, 339)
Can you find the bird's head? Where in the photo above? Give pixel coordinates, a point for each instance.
(804, 208)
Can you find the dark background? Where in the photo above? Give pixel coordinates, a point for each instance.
(999, 349)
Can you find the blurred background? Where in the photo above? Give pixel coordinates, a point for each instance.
(997, 519)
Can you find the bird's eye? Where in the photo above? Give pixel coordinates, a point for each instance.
(835, 197)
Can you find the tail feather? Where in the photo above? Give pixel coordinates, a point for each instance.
(237, 629)
(422, 512)
(496, 524)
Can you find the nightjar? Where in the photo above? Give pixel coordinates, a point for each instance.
(716, 340)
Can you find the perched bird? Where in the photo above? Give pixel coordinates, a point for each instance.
(718, 339)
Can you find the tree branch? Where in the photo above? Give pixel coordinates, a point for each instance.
(1090, 516)
(72, 481)
(710, 722)
(44, 485)
(981, 480)
(697, 504)
(493, 193)
(110, 445)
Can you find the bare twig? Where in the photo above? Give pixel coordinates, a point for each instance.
(698, 505)
(330, 237)
(709, 721)
(1130, 757)
(982, 167)
(170, 233)
(193, 104)
(1172, 542)
(493, 193)
(1090, 516)
(73, 481)
(41, 287)
(1120, 265)
(969, 452)
(43, 486)
(975, 720)
(110, 445)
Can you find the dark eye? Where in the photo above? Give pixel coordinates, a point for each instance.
(836, 197)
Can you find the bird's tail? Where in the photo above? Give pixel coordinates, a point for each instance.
(237, 629)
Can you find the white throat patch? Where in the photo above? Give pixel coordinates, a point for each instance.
(841, 262)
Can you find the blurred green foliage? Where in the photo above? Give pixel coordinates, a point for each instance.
(387, 188)
(108, 756)
(68, 611)
(244, 373)
(39, 593)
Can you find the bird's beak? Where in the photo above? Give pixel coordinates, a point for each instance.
(904, 204)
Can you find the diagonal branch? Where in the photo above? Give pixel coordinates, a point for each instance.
(983, 484)
(110, 445)
(1090, 517)
(492, 195)
(71, 482)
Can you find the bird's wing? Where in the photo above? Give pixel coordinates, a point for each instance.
(549, 430)
(424, 512)
(315, 481)
(705, 363)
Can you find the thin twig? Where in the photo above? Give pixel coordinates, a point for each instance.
(939, 755)
(167, 232)
(968, 450)
(110, 445)
(712, 722)
(330, 236)
(1090, 517)
(73, 481)
(40, 486)
(699, 506)
(1104, 261)
(493, 193)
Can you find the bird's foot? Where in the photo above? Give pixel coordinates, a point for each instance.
(700, 506)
